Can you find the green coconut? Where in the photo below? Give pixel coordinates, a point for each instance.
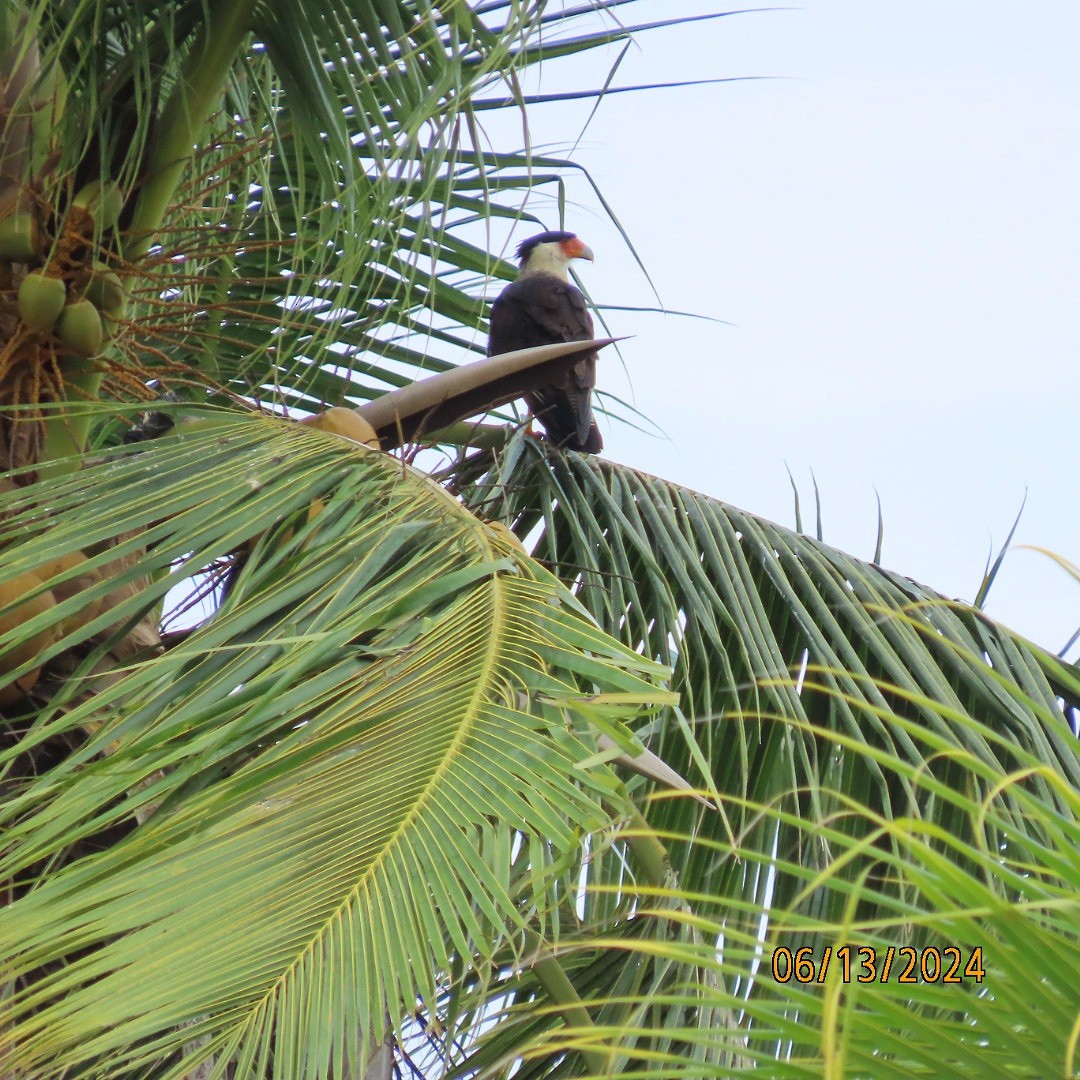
(104, 289)
(102, 201)
(19, 238)
(80, 329)
(41, 300)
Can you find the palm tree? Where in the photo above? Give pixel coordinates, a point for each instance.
(361, 796)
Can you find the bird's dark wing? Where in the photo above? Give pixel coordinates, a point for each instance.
(538, 309)
(541, 309)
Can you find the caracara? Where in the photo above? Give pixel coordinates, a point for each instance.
(541, 308)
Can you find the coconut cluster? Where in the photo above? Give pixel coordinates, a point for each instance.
(67, 290)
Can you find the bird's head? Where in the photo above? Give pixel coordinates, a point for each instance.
(551, 252)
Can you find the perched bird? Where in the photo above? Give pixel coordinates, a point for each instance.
(541, 308)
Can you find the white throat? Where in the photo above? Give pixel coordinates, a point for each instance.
(546, 259)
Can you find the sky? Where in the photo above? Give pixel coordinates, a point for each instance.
(888, 226)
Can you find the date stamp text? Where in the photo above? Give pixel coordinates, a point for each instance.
(867, 964)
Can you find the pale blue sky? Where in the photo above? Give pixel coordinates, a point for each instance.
(892, 229)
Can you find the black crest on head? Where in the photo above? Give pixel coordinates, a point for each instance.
(525, 247)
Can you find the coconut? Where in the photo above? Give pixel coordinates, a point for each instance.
(79, 328)
(72, 586)
(103, 202)
(41, 300)
(104, 289)
(12, 592)
(19, 238)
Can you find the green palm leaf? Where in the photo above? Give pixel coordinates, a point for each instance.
(865, 736)
(325, 771)
(369, 779)
(321, 246)
(965, 970)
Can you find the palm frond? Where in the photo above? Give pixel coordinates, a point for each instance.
(323, 244)
(326, 770)
(939, 964)
(853, 723)
(372, 779)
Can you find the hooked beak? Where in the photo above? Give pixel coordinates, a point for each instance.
(577, 249)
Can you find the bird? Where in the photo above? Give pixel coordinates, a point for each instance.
(542, 307)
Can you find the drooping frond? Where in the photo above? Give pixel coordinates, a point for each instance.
(863, 732)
